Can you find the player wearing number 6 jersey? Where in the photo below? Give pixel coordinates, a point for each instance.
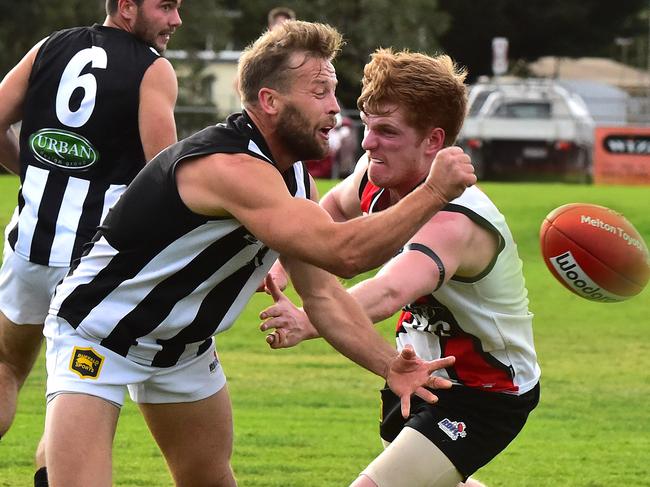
(95, 104)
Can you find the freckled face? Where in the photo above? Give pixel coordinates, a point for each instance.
(396, 151)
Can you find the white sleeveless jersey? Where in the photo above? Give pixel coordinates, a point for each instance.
(484, 322)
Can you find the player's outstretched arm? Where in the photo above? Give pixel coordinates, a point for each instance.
(402, 280)
(340, 320)
(232, 185)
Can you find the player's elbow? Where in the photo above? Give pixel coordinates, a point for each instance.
(346, 268)
(338, 254)
(391, 302)
(349, 262)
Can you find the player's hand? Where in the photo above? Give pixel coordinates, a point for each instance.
(279, 278)
(290, 324)
(408, 374)
(450, 173)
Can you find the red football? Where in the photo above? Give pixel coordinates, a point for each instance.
(595, 252)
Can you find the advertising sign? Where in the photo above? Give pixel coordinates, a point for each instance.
(622, 155)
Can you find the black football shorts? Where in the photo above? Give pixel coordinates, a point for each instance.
(469, 426)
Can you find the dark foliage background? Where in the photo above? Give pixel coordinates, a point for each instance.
(462, 28)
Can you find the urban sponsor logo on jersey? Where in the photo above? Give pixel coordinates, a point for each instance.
(86, 363)
(63, 149)
(453, 429)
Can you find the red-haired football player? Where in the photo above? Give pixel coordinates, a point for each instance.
(458, 282)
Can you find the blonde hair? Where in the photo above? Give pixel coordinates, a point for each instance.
(431, 90)
(267, 61)
(286, 12)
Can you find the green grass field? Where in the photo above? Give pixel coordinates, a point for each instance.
(308, 417)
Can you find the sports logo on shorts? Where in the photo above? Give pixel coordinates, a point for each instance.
(214, 364)
(453, 429)
(86, 363)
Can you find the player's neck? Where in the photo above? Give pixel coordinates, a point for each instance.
(117, 23)
(400, 191)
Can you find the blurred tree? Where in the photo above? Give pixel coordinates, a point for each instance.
(463, 28)
(368, 24)
(365, 24)
(24, 23)
(535, 28)
(207, 24)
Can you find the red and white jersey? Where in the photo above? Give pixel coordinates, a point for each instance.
(484, 321)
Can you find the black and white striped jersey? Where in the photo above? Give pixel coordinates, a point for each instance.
(159, 280)
(79, 141)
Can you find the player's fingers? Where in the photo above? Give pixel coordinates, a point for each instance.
(268, 319)
(278, 339)
(441, 363)
(270, 312)
(278, 323)
(435, 382)
(405, 401)
(426, 395)
(273, 288)
(408, 353)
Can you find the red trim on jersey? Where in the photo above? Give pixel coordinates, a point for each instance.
(473, 367)
(373, 198)
(405, 316)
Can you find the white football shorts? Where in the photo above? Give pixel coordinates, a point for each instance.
(26, 288)
(76, 364)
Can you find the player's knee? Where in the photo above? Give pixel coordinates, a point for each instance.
(18, 354)
(216, 474)
(227, 479)
(13, 375)
(5, 423)
(8, 396)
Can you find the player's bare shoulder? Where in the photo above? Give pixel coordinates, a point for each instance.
(159, 73)
(219, 183)
(448, 225)
(343, 202)
(360, 169)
